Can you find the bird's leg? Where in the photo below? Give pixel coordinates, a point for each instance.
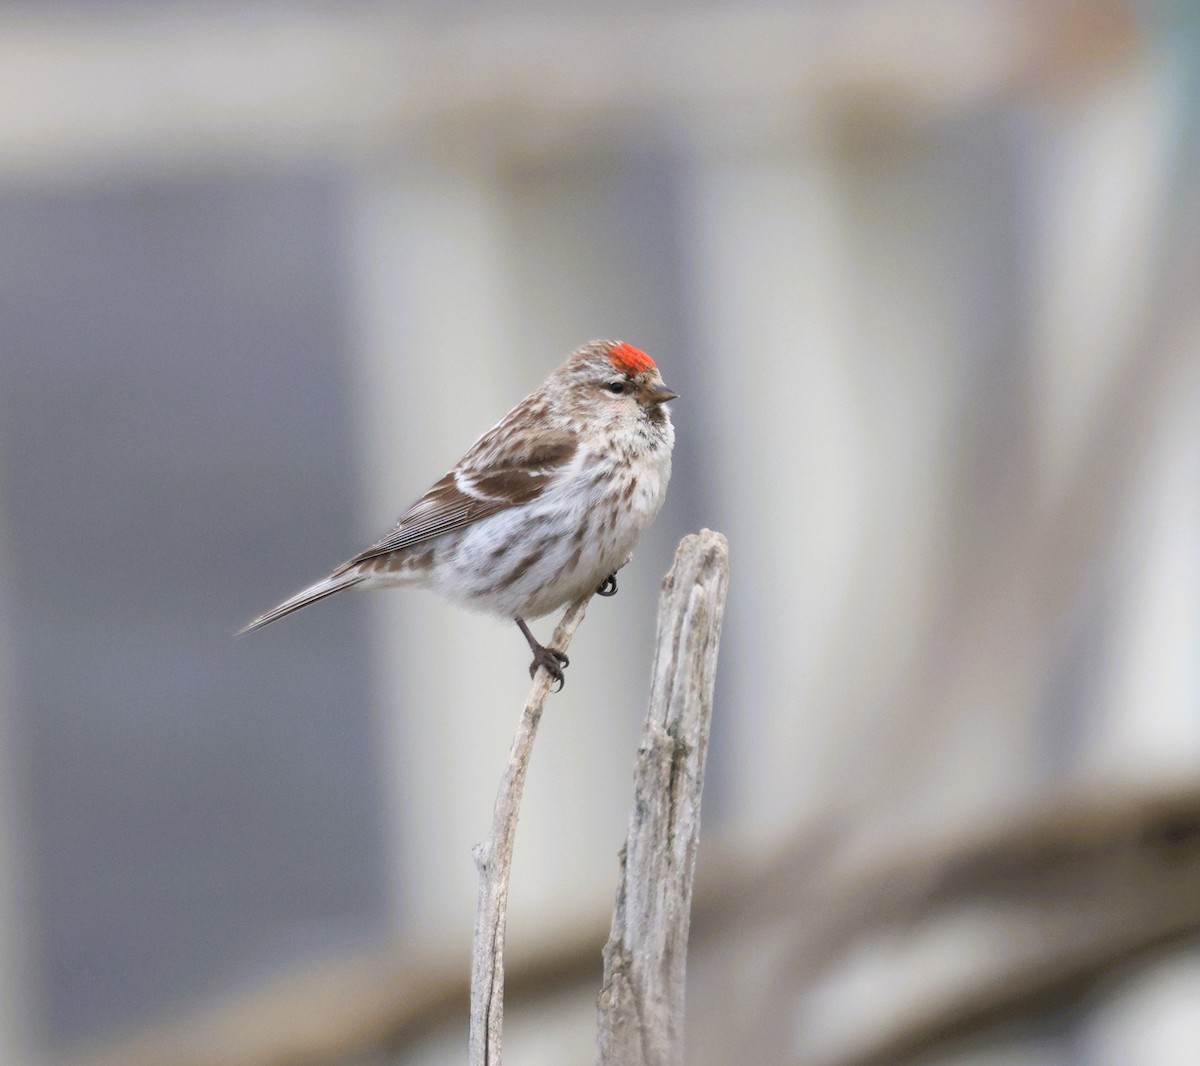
(608, 587)
(553, 661)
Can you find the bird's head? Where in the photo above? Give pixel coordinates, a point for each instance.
(618, 381)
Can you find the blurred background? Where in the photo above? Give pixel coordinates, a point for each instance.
(927, 276)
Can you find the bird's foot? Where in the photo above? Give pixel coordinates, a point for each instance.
(554, 662)
(608, 587)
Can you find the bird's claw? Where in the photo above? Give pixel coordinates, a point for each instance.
(553, 661)
(608, 587)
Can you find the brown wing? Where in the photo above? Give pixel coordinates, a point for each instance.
(464, 496)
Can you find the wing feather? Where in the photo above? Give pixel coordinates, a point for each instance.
(465, 496)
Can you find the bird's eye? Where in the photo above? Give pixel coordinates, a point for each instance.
(616, 387)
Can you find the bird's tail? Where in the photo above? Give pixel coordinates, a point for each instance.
(323, 588)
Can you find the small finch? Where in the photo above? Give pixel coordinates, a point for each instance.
(546, 506)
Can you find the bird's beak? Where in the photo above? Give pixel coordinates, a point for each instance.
(661, 394)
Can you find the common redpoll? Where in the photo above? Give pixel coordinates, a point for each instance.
(546, 505)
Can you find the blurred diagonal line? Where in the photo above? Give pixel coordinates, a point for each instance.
(1036, 988)
(332, 1012)
(1035, 571)
(1084, 889)
(1104, 880)
(320, 1015)
(1052, 902)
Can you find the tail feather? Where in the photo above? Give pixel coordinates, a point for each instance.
(303, 598)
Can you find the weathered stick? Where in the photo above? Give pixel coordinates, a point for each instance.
(494, 859)
(645, 959)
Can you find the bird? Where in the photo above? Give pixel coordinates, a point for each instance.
(545, 506)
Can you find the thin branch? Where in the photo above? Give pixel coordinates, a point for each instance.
(645, 959)
(494, 860)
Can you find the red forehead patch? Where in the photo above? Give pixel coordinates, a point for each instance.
(629, 360)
